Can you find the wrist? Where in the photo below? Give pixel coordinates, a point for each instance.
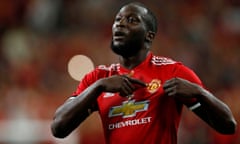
(198, 91)
(100, 85)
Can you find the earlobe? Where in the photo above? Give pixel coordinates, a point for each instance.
(150, 36)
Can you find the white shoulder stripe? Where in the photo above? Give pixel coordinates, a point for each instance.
(113, 67)
(157, 60)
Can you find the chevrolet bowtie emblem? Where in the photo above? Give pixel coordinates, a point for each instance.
(128, 108)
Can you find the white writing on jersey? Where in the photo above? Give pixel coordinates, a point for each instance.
(114, 67)
(127, 123)
(157, 60)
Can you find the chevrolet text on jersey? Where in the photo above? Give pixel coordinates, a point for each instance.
(127, 123)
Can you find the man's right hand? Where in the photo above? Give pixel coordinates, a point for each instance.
(123, 84)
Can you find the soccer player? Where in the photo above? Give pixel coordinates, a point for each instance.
(140, 99)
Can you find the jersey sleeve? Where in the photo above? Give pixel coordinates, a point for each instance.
(87, 80)
(98, 73)
(188, 74)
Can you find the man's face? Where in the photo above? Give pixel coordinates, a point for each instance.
(129, 31)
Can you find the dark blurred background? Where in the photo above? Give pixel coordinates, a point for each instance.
(38, 38)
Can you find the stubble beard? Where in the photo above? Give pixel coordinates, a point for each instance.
(127, 49)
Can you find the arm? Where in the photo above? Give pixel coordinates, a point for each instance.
(216, 113)
(74, 111)
(213, 111)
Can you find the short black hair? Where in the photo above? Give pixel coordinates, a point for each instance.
(151, 19)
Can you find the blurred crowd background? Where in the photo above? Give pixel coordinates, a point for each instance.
(38, 38)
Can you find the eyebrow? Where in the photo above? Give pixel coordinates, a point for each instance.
(130, 14)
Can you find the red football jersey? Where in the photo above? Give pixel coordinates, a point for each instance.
(150, 116)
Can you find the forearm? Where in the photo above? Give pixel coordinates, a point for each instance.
(73, 112)
(215, 112)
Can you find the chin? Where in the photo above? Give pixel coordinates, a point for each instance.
(118, 43)
(125, 49)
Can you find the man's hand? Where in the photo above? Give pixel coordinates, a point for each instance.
(123, 84)
(179, 87)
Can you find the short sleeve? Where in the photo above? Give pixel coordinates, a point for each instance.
(87, 80)
(188, 74)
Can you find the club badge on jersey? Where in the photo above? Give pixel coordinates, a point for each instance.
(154, 85)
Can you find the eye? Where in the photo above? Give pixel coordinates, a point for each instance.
(118, 18)
(132, 19)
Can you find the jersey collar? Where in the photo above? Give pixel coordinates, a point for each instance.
(139, 67)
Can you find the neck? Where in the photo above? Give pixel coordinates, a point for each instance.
(131, 62)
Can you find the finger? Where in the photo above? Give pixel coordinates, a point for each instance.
(126, 87)
(169, 83)
(129, 85)
(125, 91)
(170, 91)
(173, 93)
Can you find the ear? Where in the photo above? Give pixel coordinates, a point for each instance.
(150, 36)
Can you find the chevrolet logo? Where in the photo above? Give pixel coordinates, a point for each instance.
(128, 108)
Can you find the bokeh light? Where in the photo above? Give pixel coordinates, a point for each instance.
(79, 66)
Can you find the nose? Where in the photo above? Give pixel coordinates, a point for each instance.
(120, 23)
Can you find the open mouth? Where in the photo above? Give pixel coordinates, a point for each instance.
(118, 35)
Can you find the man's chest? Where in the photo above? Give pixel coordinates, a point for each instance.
(142, 101)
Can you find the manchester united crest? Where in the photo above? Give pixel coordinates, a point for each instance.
(154, 85)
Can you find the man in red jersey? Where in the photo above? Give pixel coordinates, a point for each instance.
(140, 99)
